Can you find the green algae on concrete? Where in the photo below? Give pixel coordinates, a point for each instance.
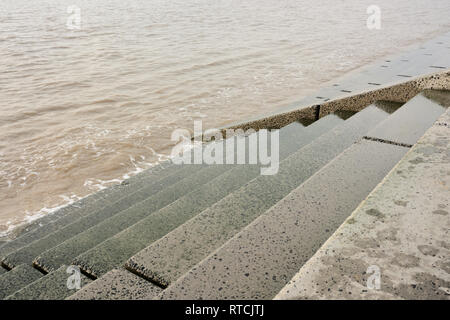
(168, 258)
(52, 286)
(116, 250)
(118, 284)
(261, 259)
(408, 244)
(17, 278)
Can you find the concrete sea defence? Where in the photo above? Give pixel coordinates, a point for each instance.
(221, 231)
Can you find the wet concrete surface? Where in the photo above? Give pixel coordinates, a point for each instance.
(399, 235)
(118, 284)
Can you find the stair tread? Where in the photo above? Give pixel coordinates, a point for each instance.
(69, 246)
(116, 250)
(68, 250)
(174, 254)
(118, 284)
(17, 278)
(52, 286)
(261, 259)
(403, 236)
(86, 206)
(30, 251)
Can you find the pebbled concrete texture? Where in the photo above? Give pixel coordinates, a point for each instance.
(116, 250)
(89, 236)
(52, 286)
(407, 124)
(402, 228)
(168, 258)
(260, 260)
(17, 278)
(118, 284)
(2, 270)
(87, 206)
(27, 253)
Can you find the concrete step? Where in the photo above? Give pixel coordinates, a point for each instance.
(101, 198)
(65, 252)
(291, 232)
(400, 231)
(94, 202)
(171, 256)
(52, 286)
(27, 253)
(17, 278)
(127, 215)
(118, 284)
(98, 201)
(407, 124)
(116, 250)
(260, 260)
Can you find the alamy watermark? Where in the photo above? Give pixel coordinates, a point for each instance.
(74, 280)
(74, 18)
(374, 280)
(374, 19)
(245, 147)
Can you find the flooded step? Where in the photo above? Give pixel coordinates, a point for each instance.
(53, 286)
(261, 259)
(108, 197)
(170, 257)
(17, 278)
(73, 247)
(27, 253)
(289, 234)
(98, 201)
(101, 198)
(116, 250)
(118, 284)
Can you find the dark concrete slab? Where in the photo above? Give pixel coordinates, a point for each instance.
(118, 284)
(17, 278)
(52, 286)
(261, 259)
(409, 123)
(167, 259)
(116, 250)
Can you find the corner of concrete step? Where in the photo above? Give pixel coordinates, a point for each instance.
(118, 284)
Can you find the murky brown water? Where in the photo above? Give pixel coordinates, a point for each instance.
(81, 109)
